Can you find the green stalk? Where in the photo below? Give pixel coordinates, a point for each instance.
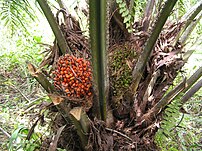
(191, 14)
(188, 18)
(98, 46)
(54, 26)
(81, 123)
(144, 57)
(190, 28)
(193, 79)
(61, 4)
(52, 93)
(191, 92)
(148, 14)
(41, 78)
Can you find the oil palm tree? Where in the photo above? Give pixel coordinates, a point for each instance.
(133, 62)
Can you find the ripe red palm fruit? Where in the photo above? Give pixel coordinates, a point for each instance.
(73, 75)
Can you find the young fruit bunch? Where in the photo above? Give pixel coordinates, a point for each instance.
(74, 76)
(121, 73)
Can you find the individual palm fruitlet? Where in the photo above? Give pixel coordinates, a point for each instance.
(73, 76)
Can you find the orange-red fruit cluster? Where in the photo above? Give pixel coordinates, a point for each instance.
(74, 76)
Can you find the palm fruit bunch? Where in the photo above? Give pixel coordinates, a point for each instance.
(121, 69)
(73, 76)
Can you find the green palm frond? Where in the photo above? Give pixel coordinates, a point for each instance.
(170, 121)
(131, 12)
(14, 13)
